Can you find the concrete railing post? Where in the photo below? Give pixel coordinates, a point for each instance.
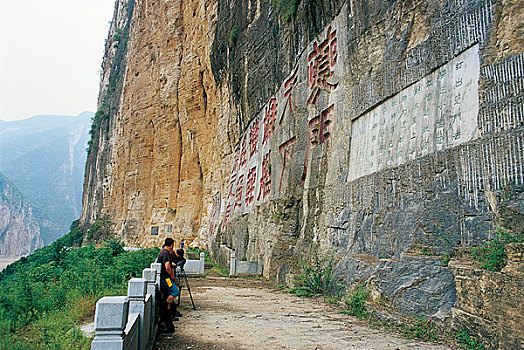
(232, 264)
(158, 268)
(141, 304)
(259, 265)
(202, 263)
(110, 323)
(150, 276)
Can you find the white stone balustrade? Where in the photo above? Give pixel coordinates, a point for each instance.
(131, 322)
(128, 322)
(150, 275)
(244, 267)
(195, 267)
(158, 268)
(140, 303)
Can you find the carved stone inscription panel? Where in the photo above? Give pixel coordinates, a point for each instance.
(438, 112)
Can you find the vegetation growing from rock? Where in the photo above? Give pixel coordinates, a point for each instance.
(96, 121)
(99, 231)
(110, 99)
(492, 255)
(315, 279)
(285, 8)
(356, 302)
(467, 341)
(233, 35)
(46, 295)
(422, 329)
(119, 37)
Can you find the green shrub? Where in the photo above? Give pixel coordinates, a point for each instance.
(423, 329)
(286, 9)
(492, 255)
(467, 342)
(277, 217)
(97, 120)
(445, 258)
(45, 294)
(356, 302)
(99, 231)
(233, 35)
(426, 251)
(315, 279)
(119, 37)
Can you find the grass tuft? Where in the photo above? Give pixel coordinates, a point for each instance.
(315, 280)
(356, 302)
(467, 341)
(492, 255)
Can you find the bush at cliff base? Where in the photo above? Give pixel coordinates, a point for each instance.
(45, 296)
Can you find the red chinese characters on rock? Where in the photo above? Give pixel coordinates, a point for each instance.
(318, 134)
(269, 119)
(320, 66)
(226, 216)
(318, 127)
(230, 194)
(288, 91)
(250, 185)
(236, 158)
(265, 179)
(240, 184)
(286, 154)
(230, 198)
(253, 139)
(243, 152)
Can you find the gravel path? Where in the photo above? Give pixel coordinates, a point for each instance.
(249, 314)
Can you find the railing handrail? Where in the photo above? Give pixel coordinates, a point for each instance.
(131, 322)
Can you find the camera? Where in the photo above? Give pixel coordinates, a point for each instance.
(181, 263)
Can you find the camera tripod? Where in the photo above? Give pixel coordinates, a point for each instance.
(181, 278)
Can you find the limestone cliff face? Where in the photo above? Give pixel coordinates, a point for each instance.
(155, 164)
(372, 132)
(19, 230)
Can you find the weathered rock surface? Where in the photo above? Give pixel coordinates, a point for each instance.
(19, 230)
(354, 129)
(489, 304)
(155, 163)
(413, 285)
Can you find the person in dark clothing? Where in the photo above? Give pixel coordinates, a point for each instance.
(178, 258)
(167, 283)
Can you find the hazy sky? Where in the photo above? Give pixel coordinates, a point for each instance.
(50, 55)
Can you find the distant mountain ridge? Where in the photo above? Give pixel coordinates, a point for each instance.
(44, 157)
(19, 229)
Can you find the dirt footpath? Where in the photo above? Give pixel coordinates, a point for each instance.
(250, 314)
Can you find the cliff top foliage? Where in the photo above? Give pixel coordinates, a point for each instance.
(45, 295)
(110, 98)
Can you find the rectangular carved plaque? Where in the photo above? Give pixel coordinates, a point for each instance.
(438, 112)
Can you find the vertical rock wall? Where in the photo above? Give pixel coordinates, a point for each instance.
(379, 134)
(392, 131)
(153, 165)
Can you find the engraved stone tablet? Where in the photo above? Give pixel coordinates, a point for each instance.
(438, 112)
